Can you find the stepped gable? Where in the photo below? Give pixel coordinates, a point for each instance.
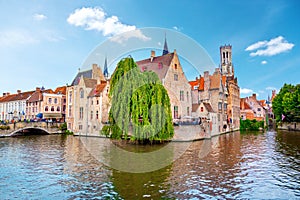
(159, 64)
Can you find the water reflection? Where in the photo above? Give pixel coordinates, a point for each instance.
(247, 165)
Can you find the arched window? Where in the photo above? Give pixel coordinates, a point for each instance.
(58, 109)
(55, 100)
(81, 93)
(52, 108)
(46, 109)
(97, 114)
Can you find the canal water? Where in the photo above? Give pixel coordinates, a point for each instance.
(232, 166)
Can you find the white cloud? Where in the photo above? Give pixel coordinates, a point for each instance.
(270, 48)
(39, 17)
(256, 45)
(130, 34)
(16, 37)
(264, 62)
(96, 19)
(246, 91)
(159, 44)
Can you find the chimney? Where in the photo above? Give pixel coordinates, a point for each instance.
(152, 55)
(18, 91)
(206, 74)
(196, 78)
(37, 89)
(4, 94)
(7, 93)
(254, 96)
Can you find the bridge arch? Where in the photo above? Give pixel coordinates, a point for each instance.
(29, 131)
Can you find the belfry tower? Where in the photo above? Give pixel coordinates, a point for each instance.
(226, 60)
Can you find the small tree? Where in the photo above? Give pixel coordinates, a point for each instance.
(140, 104)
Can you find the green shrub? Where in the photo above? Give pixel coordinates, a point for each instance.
(105, 130)
(251, 125)
(63, 127)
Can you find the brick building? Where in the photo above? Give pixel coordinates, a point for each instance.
(227, 69)
(251, 108)
(221, 91)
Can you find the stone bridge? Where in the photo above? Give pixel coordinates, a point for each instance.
(30, 128)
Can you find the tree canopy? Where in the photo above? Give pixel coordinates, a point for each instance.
(287, 103)
(140, 104)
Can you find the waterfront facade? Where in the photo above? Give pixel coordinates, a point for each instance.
(84, 102)
(13, 106)
(46, 104)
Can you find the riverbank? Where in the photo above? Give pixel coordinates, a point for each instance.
(185, 133)
(290, 126)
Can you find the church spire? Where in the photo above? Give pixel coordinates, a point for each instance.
(105, 72)
(165, 51)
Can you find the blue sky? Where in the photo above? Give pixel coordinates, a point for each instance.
(43, 43)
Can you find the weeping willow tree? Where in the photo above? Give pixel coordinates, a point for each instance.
(140, 104)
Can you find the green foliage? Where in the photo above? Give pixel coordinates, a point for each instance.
(140, 104)
(4, 127)
(68, 132)
(251, 125)
(63, 127)
(287, 103)
(105, 130)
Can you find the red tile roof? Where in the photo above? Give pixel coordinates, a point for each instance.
(199, 82)
(23, 96)
(61, 90)
(159, 64)
(244, 105)
(7, 98)
(95, 92)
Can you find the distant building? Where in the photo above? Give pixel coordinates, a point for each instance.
(251, 108)
(46, 104)
(221, 91)
(170, 72)
(13, 106)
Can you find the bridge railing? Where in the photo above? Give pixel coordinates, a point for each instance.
(8, 128)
